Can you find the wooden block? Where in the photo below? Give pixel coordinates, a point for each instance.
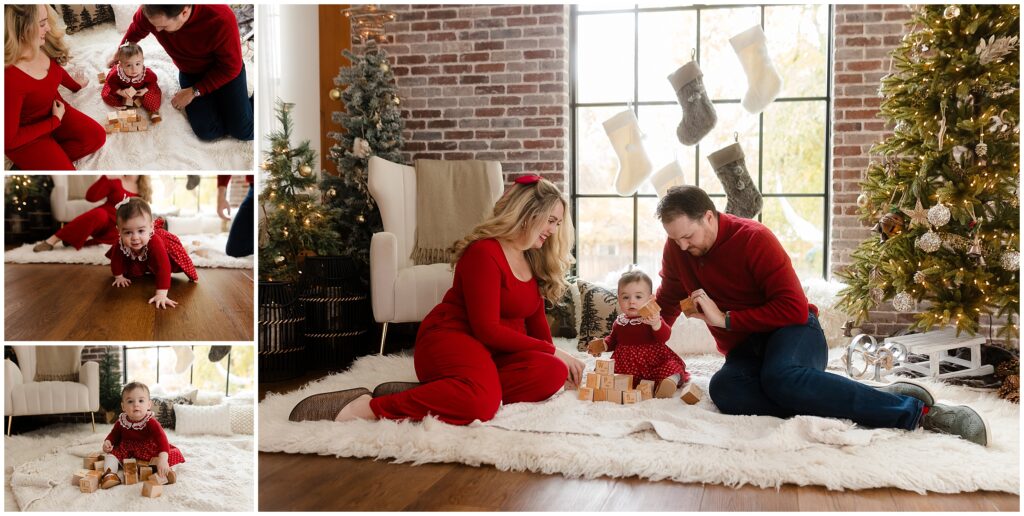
(158, 478)
(131, 91)
(95, 473)
(101, 77)
(602, 394)
(89, 484)
(688, 307)
(151, 489)
(646, 389)
(112, 116)
(691, 393)
(592, 380)
(131, 472)
(630, 397)
(77, 477)
(650, 308)
(144, 473)
(98, 465)
(605, 366)
(172, 477)
(586, 394)
(623, 382)
(616, 396)
(606, 381)
(143, 125)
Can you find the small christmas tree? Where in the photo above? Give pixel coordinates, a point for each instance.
(372, 127)
(110, 381)
(295, 223)
(26, 193)
(944, 197)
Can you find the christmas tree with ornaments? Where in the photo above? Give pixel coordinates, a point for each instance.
(372, 126)
(942, 191)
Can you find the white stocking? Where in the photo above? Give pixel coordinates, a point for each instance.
(634, 166)
(670, 175)
(763, 82)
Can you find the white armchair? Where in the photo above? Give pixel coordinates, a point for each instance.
(400, 291)
(67, 199)
(23, 396)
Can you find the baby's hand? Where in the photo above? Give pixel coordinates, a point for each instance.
(121, 281)
(654, 321)
(141, 92)
(596, 347)
(107, 447)
(161, 467)
(160, 300)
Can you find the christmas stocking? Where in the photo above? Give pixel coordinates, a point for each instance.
(634, 165)
(183, 358)
(743, 198)
(218, 352)
(763, 82)
(699, 115)
(670, 175)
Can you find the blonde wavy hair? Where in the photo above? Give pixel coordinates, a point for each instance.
(525, 207)
(144, 188)
(20, 21)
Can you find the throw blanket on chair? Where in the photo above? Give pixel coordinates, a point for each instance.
(452, 197)
(58, 363)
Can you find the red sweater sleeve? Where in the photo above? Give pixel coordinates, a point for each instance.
(116, 260)
(664, 333)
(15, 134)
(671, 291)
(772, 268)
(160, 262)
(99, 190)
(612, 340)
(537, 324)
(223, 179)
(482, 294)
(139, 28)
(115, 434)
(157, 435)
(149, 80)
(67, 81)
(228, 55)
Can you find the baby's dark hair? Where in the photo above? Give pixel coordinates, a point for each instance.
(128, 50)
(133, 208)
(634, 276)
(132, 386)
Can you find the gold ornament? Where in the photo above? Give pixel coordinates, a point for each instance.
(265, 165)
(279, 259)
(332, 192)
(335, 94)
(384, 67)
(890, 225)
(918, 215)
(360, 219)
(305, 171)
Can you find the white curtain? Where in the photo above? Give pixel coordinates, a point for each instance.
(268, 21)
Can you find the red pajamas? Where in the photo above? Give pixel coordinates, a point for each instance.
(118, 81)
(35, 139)
(486, 343)
(98, 223)
(640, 351)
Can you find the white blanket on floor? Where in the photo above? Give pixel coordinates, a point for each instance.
(663, 439)
(169, 145)
(206, 250)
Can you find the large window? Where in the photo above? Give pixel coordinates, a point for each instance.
(621, 59)
(156, 364)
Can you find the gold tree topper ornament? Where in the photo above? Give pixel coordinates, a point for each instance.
(368, 22)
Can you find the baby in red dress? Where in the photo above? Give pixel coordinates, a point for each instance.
(638, 343)
(131, 72)
(145, 247)
(137, 434)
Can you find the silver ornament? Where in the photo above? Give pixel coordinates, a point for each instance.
(981, 149)
(903, 302)
(951, 12)
(929, 242)
(862, 200)
(1010, 260)
(938, 215)
(920, 277)
(877, 294)
(278, 259)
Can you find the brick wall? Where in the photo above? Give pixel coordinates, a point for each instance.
(485, 82)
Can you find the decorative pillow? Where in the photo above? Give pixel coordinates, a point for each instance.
(242, 416)
(163, 409)
(193, 419)
(207, 398)
(598, 309)
(241, 397)
(78, 17)
(824, 295)
(123, 14)
(562, 316)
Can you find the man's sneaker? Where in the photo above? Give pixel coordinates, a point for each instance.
(960, 420)
(912, 389)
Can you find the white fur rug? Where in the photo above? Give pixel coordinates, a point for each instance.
(206, 250)
(663, 439)
(169, 145)
(217, 475)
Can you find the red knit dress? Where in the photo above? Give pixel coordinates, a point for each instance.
(163, 255)
(96, 226)
(640, 351)
(117, 80)
(143, 440)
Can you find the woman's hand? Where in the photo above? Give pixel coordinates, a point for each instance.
(80, 77)
(596, 347)
(58, 109)
(161, 465)
(162, 301)
(121, 281)
(107, 447)
(654, 321)
(712, 315)
(574, 364)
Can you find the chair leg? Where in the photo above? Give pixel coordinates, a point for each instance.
(383, 337)
(10, 421)
(92, 415)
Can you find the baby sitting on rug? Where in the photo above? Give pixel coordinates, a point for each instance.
(145, 247)
(128, 74)
(137, 434)
(638, 343)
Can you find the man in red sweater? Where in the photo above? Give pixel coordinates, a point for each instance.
(204, 44)
(748, 293)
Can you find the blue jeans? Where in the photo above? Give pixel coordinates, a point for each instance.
(240, 236)
(782, 374)
(224, 111)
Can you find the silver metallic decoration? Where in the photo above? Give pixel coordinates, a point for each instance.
(862, 200)
(951, 12)
(1010, 260)
(903, 302)
(929, 242)
(877, 294)
(974, 253)
(864, 352)
(938, 215)
(920, 277)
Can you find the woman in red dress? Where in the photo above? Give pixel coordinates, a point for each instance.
(488, 341)
(41, 131)
(137, 434)
(97, 226)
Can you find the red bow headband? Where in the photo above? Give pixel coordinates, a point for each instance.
(528, 180)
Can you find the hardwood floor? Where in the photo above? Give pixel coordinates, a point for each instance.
(350, 484)
(77, 302)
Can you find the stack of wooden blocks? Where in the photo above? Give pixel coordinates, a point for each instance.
(88, 478)
(135, 471)
(125, 121)
(604, 385)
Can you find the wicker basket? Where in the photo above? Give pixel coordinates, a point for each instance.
(281, 321)
(338, 312)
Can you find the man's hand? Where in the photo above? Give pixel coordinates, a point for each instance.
(182, 98)
(160, 300)
(712, 315)
(121, 281)
(654, 321)
(596, 347)
(113, 60)
(223, 207)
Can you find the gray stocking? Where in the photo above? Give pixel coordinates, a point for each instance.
(743, 198)
(699, 115)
